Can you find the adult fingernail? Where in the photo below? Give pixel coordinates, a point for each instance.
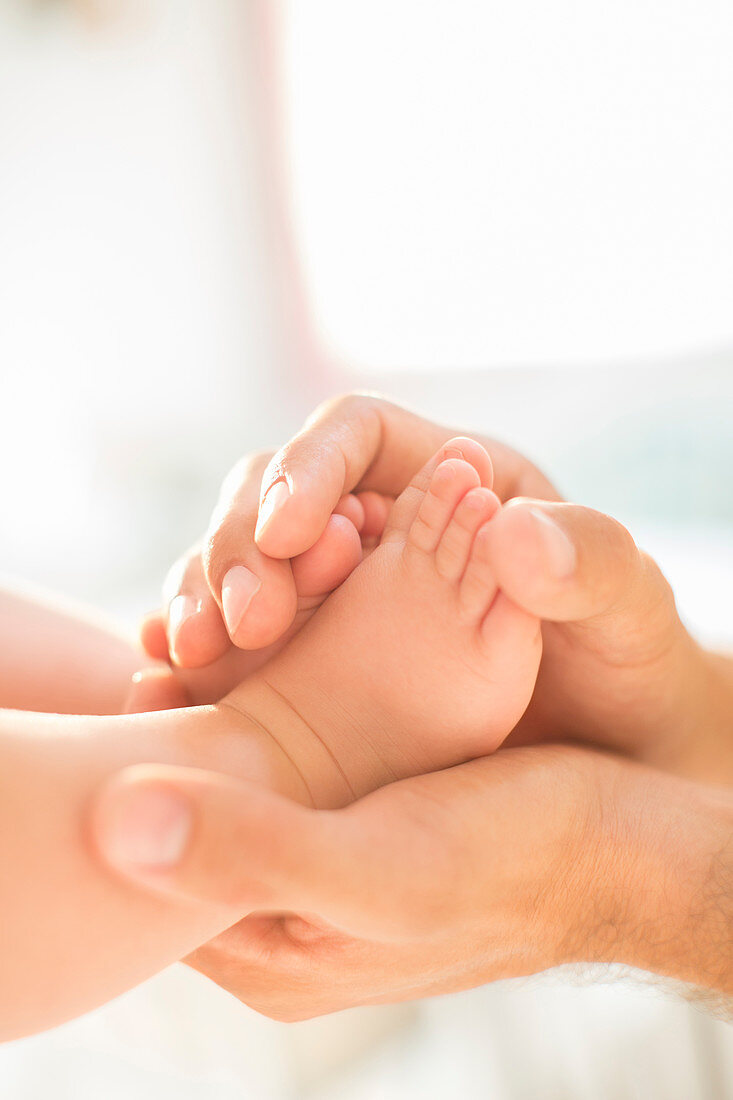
(180, 609)
(272, 502)
(237, 592)
(145, 826)
(561, 554)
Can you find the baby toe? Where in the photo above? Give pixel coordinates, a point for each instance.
(452, 552)
(478, 585)
(449, 484)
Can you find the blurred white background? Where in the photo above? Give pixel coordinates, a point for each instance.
(513, 215)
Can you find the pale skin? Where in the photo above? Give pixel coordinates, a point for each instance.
(39, 633)
(317, 724)
(618, 669)
(215, 746)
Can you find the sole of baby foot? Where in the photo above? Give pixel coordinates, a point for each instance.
(417, 662)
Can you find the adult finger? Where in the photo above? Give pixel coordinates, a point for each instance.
(389, 866)
(567, 563)
(224, 841)
(357, 440)
(194, 630)
(154, 689)
(153, 636)
(255, 592)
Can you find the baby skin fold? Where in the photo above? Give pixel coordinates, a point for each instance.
(417, 662)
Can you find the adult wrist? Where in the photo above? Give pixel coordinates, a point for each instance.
(708, 753)
(720, 677)
(658, 886)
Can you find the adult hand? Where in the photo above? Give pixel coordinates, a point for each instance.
(502, 867)
(619, 668)
(190, 632)
(275, 508)
(263, 600)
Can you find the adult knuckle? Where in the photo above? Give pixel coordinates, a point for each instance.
(343, 405)
(624, 543)
(247, 471)
(221, 548)
(655, 579)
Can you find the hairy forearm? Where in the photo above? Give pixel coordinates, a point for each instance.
(695, 845)
(62, 659)
(661, 898)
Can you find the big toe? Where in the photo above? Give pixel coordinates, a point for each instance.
(450, 483)
(461, 462)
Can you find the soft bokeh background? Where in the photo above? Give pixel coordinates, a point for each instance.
(513, 215)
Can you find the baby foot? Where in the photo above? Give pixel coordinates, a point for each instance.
(417, 661)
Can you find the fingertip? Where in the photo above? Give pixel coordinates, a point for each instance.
(563, 562)
(154, 689)
(141, 824)
(197, 834)
(195, 634)
(273, 505)
(294, 527)
(153, 637)
(512, 543)
(301, 488)
(532, 535)
(560, 554)
(183, 612)
(259, 604)
(200, 639)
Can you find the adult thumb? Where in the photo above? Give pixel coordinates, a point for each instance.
(567, 563)
(218, 840)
